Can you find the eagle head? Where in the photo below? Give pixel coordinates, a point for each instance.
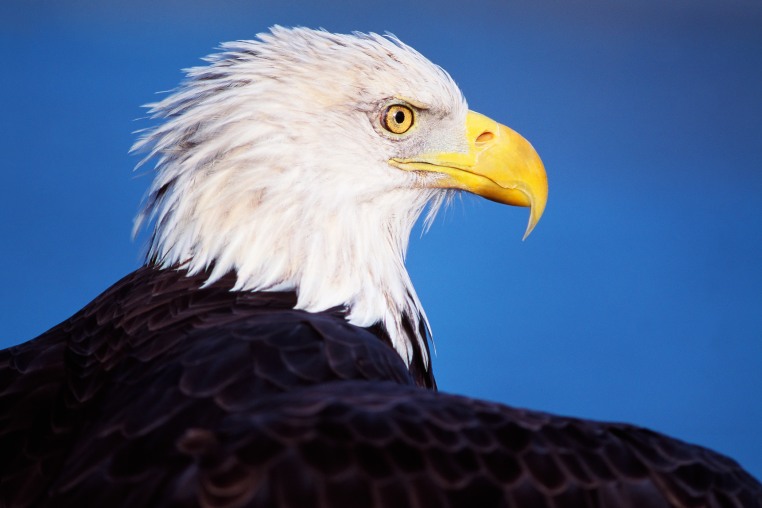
(302, 159)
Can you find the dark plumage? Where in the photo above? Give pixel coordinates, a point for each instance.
(164, 393)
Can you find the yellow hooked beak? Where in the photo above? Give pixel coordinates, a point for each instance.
(499, 165)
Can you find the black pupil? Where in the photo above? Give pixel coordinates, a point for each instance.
(399, 116)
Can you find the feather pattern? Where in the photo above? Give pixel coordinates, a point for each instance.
(166, 391)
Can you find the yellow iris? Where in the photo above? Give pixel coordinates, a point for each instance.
(398, 119)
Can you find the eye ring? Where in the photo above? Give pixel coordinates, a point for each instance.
(398, 118)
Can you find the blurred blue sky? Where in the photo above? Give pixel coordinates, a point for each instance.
(638, 297)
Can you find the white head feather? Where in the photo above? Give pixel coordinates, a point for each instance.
(271, 162)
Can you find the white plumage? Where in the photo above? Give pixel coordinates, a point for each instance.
(271, 163)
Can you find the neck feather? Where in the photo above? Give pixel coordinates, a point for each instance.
(349, 254)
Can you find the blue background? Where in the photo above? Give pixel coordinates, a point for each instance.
(638, 297)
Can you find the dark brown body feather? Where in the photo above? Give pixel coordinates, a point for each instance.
(164, 393)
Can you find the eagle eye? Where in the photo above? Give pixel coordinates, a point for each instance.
(398, 119)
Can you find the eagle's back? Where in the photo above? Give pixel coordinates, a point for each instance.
(163, 392)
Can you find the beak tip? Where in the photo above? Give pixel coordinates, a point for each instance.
(528, 231)
(535, 213)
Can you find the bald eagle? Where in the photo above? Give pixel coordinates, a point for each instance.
(272, 351)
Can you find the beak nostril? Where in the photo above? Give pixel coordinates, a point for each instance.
(484, 137)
